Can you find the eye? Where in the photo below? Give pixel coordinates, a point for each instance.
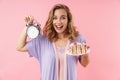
(63, 17)
(54, 18)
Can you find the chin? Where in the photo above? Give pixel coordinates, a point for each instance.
(59, 32)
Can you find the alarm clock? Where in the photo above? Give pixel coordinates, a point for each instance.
(33, 30)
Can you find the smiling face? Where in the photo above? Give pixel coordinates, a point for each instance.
(60, 21)
(60, 24)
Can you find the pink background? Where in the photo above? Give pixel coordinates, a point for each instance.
(97, 20)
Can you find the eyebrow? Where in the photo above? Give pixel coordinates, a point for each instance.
(64, 15)
(61, 16)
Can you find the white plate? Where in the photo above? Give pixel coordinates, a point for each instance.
(77, 54)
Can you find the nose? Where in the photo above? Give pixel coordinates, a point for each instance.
(58, 21)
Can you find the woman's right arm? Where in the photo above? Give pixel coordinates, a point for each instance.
(22, 40)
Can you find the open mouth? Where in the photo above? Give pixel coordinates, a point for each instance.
(59, 27)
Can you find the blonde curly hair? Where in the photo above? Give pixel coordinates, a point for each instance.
(49, 30)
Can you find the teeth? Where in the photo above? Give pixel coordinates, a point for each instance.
(59, 26)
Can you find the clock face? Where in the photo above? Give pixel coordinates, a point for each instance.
(32, 32)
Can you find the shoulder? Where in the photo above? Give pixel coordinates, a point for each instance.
(79, 35)
(80, 38)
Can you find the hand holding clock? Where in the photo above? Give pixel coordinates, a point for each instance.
(33, 29)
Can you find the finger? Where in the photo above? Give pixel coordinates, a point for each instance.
(27, 19)
(31, 18)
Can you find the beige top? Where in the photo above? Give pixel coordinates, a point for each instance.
(61, 65)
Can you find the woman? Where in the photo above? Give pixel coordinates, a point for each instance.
(50, 48)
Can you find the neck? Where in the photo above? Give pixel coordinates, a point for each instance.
(60, 36)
